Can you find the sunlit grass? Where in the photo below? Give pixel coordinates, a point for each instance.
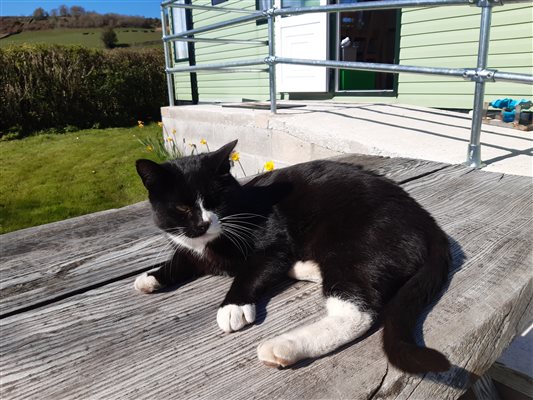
(48, 178)
(89, 37)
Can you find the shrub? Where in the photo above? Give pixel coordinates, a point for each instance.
(45, 87)
(109, 37)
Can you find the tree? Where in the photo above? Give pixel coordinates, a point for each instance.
(77, 11)
(109, 37)
(63, 10)
(40, 14)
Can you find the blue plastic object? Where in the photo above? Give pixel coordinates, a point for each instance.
(508, 105)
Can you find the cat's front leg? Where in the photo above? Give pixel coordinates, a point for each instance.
(178, 269)
(238, 308)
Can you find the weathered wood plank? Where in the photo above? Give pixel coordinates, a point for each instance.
(40, 264)
(112, 342)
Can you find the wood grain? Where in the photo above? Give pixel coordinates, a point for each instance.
(111, 342)
(38, 265)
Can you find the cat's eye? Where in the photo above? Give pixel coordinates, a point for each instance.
(184, 209)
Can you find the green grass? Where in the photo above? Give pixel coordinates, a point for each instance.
(89, 37)
(48, 178)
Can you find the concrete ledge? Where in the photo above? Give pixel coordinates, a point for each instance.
(321, 130)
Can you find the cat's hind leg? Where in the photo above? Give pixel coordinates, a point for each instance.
(345, 321)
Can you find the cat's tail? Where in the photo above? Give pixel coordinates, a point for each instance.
(402, 312)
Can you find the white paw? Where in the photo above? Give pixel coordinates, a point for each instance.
(279, 352)
(231, 317)
(146, 283)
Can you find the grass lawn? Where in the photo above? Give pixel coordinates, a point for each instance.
(53, 177)
(89, 37)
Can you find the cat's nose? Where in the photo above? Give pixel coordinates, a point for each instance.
(201, 228)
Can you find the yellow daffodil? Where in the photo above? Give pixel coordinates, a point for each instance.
(173, 130)
(203, 141)
(269, 166)
(160, 124)
(169, 139)
(149, 148)
(235, 156)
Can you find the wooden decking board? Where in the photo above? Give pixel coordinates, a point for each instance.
(112, 342)
(49, 262)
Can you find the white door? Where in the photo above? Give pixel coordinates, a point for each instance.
(302, 36)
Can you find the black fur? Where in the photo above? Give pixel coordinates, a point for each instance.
(374, 244)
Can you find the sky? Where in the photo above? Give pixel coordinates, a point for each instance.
(146, 8)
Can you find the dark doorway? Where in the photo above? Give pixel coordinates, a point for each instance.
(366, 36)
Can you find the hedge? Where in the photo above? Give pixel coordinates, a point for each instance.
(50, 86)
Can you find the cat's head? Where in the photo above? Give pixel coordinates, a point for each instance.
(190, 194)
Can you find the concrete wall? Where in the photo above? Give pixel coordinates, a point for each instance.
(262, 137)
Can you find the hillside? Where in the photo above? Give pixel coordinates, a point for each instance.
(89, 37)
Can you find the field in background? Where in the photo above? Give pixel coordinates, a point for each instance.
(90, 37)
(48, 178)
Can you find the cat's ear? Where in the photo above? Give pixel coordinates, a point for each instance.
(219, 160)
(152, 174)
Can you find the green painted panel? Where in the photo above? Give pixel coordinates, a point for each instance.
(467, 88)
(219, 86)
(466, 35)
(505, 18)
(229, 52)
(223, 83)
(520, 45)
(447, 37)
(428, 14)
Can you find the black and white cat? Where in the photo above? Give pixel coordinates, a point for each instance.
(368, 243)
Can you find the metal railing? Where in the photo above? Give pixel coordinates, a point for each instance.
(479, 74)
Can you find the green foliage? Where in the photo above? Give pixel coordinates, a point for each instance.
(48, 178)
(109, 38)
(45, 87)
(162, 151)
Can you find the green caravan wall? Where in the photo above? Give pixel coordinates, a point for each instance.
(230, 86)
(447, 37)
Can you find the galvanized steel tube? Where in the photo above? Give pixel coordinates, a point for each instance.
(222, 41)
(166, 45)
(271, 65)
(362, 66)
(512, 77)
(215, 66)
(473, 158)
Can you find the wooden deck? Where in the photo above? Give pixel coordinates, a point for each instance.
(73, 327)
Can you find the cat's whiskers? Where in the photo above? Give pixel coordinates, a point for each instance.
(228, 233)
(242, 216)
(244, 229)
(170, 245)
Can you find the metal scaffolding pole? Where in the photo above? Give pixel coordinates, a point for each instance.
(363, 66)
(166, 47)
(473, 158)
(271, 57)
